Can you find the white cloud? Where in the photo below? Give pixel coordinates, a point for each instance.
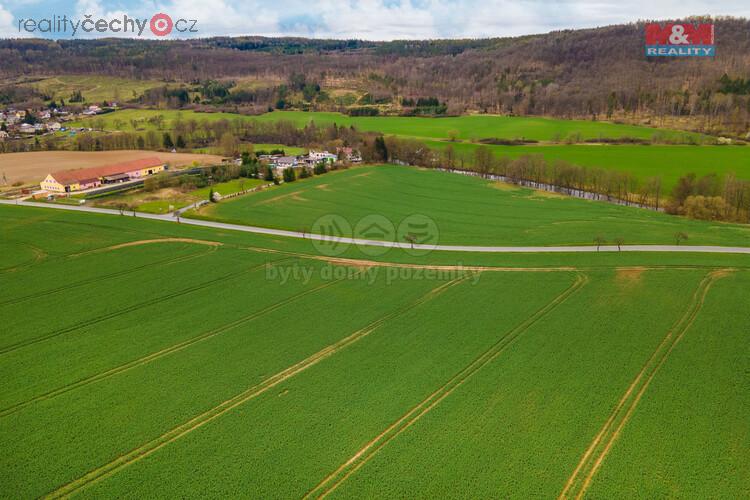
(386, 19)
(8, 26)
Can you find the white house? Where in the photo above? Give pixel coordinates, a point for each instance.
(3, 135)
(25, 128)
(92, 110)
(53, 126)
(318, 156)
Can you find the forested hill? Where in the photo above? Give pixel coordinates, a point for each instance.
(600, 73)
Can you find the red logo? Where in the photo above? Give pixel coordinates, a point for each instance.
(679, 34)
(161, 24)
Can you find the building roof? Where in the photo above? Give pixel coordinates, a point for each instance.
(82, 174)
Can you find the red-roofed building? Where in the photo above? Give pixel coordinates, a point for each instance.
(67, 181)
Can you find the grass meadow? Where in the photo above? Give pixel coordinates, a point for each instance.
(161, 200)
(94, 89)
(466, 210)
(147, 358)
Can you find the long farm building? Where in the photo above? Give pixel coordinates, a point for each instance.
(67, 181)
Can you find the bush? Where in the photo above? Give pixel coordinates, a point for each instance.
(288, 175)
(705, 207)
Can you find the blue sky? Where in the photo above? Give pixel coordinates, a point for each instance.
(368, 19)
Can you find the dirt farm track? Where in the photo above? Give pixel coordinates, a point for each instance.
(34, 166)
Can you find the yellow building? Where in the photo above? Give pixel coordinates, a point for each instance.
(68, 181)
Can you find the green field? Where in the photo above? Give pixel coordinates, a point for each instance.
(467, 210)
(150, 359)
(471, 127)
(643, 162)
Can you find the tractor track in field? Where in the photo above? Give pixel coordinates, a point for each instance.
(38, 255)
(208, 416)
(163, 352)
(104, 277)
(592, 459)
(359, 459)
(145, 242)
(155, 300)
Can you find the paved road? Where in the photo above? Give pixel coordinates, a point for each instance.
(392, 244)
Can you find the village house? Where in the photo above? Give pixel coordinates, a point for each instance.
(3, 135)
(349, 154)
(53, 126)
(68, 181)
(92, 110)
(283, 162)
(25, 128)
(321, 156)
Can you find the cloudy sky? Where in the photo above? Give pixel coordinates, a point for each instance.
(367, 19)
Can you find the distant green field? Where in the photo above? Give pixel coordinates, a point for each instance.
(669, 162)
(477, 126)
(214, 363)
(467, 210)
(467, 127)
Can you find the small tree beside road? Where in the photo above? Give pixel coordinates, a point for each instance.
(599, 241)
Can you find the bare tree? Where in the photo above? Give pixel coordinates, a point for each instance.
(410, 238)
(599, 241)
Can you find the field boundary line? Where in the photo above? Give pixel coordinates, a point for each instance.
(104, 277)
(579, 481)
(438, 267)
(154, 301)
(241, 398)
(359, 459)
(165, 351)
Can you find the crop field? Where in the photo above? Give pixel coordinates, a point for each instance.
(466, 210)
(149, 359)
